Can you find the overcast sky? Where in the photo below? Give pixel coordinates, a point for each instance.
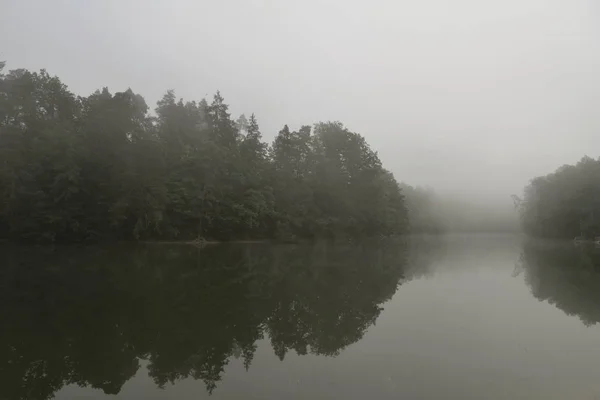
(476, 96)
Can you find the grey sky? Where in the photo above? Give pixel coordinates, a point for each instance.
(474, 95)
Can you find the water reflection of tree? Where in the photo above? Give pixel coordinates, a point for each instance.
(564, 275)
(87, 316)
(324, 300)
(61, 325)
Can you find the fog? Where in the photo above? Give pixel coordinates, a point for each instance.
(470, 97)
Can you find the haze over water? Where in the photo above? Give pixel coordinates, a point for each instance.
(292, 116)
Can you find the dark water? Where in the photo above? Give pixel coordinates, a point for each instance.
(459, 317)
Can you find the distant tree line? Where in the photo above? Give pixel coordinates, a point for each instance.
(76, 168)
(423, 209)
(430, 212)
(563, 204)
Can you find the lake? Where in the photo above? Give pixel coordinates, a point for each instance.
(449, 317)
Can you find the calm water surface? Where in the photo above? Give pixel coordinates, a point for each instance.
(458, 317)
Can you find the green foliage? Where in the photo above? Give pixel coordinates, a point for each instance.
(103, 167)
(565, 203)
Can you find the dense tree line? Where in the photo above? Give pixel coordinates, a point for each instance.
(104, 166)
(563, 204)
(88, 315)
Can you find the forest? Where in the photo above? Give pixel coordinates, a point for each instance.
(564, 204)
(104, 167)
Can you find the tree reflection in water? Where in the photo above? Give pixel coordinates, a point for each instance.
(565, 275)
(87, 315)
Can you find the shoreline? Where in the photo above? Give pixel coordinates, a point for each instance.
(203, 242)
